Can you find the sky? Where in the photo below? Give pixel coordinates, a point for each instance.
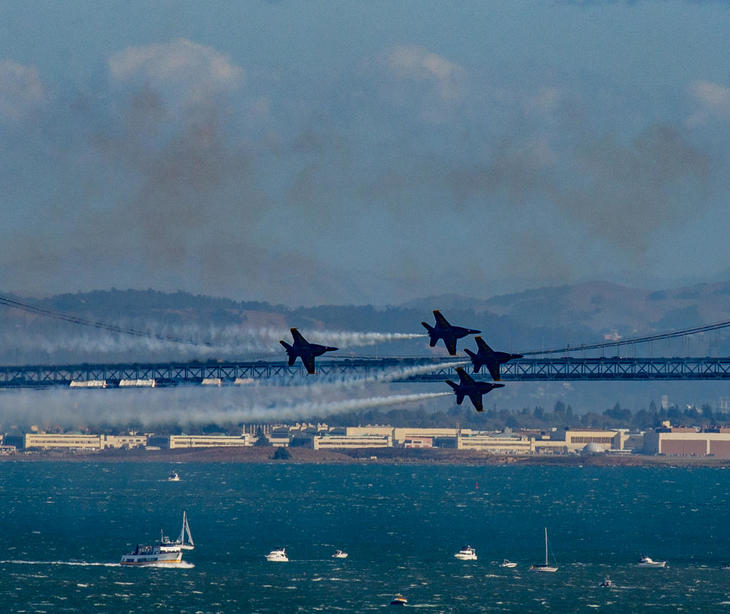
(362, 152)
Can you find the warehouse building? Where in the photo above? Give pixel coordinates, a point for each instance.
(688, 442)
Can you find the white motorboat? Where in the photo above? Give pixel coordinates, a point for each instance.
(607, 583)
(277, 555)
(467, 553)
(173, 477)
(339, 555)
(508, 564)
(157, 554)
(647, 561)
(399, 599)
(545, 567)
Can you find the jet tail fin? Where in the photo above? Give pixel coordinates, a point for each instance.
(429, 328)
(476, 363)
(482, 344)
(297, 336)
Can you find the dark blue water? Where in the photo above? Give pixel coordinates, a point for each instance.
(64, 527)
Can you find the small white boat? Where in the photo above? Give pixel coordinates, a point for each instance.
(467, 553)
(173, 477)
(647, 561)
(399, 599)
(277, 555)
(546, 567)
(508, 564)
(607, 583)
(339, 555)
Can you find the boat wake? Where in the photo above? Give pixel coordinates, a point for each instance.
(71, 563)
(180, 565)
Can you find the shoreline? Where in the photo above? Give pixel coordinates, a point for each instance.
(385, 456)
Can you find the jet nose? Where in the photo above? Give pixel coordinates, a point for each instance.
(473, 331)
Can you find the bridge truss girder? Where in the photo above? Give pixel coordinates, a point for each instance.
(532, 369)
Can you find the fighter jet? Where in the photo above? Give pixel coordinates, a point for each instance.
(444, 330)
(305, 350)
(487, 357)
(471, 388)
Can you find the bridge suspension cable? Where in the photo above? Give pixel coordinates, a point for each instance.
(67, 317)
(634, 340)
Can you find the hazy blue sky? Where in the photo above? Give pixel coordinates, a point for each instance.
(306, 152)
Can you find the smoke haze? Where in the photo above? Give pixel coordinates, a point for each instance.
(300, 176)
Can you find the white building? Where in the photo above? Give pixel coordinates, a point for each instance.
(210, 441)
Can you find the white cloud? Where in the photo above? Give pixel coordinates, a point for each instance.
(419, 64)
(193, 72)
(20, 90)
(713, 100)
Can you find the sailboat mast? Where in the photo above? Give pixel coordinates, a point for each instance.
(546, 548)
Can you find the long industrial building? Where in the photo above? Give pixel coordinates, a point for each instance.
(673, 441)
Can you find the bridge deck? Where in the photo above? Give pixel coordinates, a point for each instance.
(533, 369)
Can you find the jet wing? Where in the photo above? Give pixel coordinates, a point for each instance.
(450, 344)
(309, 364)
(441, 321)
(476, 399)
(494, 371)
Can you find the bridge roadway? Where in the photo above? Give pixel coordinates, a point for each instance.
(533, 369)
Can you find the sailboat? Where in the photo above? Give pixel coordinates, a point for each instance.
(184, 540)
(546, 568)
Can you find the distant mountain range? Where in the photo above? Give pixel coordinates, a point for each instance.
(533, 319)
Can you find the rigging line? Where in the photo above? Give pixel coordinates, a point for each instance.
(634, 340)
(67, 317)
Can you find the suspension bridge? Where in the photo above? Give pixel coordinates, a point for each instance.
(542, 367)
(217, 373)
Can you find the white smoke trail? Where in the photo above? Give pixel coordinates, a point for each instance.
(193, 405)
(204, 341)
(71, 408)
(308, 409)
(382, 377)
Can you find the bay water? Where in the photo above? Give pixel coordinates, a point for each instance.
(65, 525)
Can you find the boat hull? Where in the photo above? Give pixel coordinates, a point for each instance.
(544, 568)
(160, 558)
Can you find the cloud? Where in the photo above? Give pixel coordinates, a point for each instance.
(415, 77)
(420, 64)
(20, 90)
(713, 101)
(194, 73)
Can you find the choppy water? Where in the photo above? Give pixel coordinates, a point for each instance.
(64, 527)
